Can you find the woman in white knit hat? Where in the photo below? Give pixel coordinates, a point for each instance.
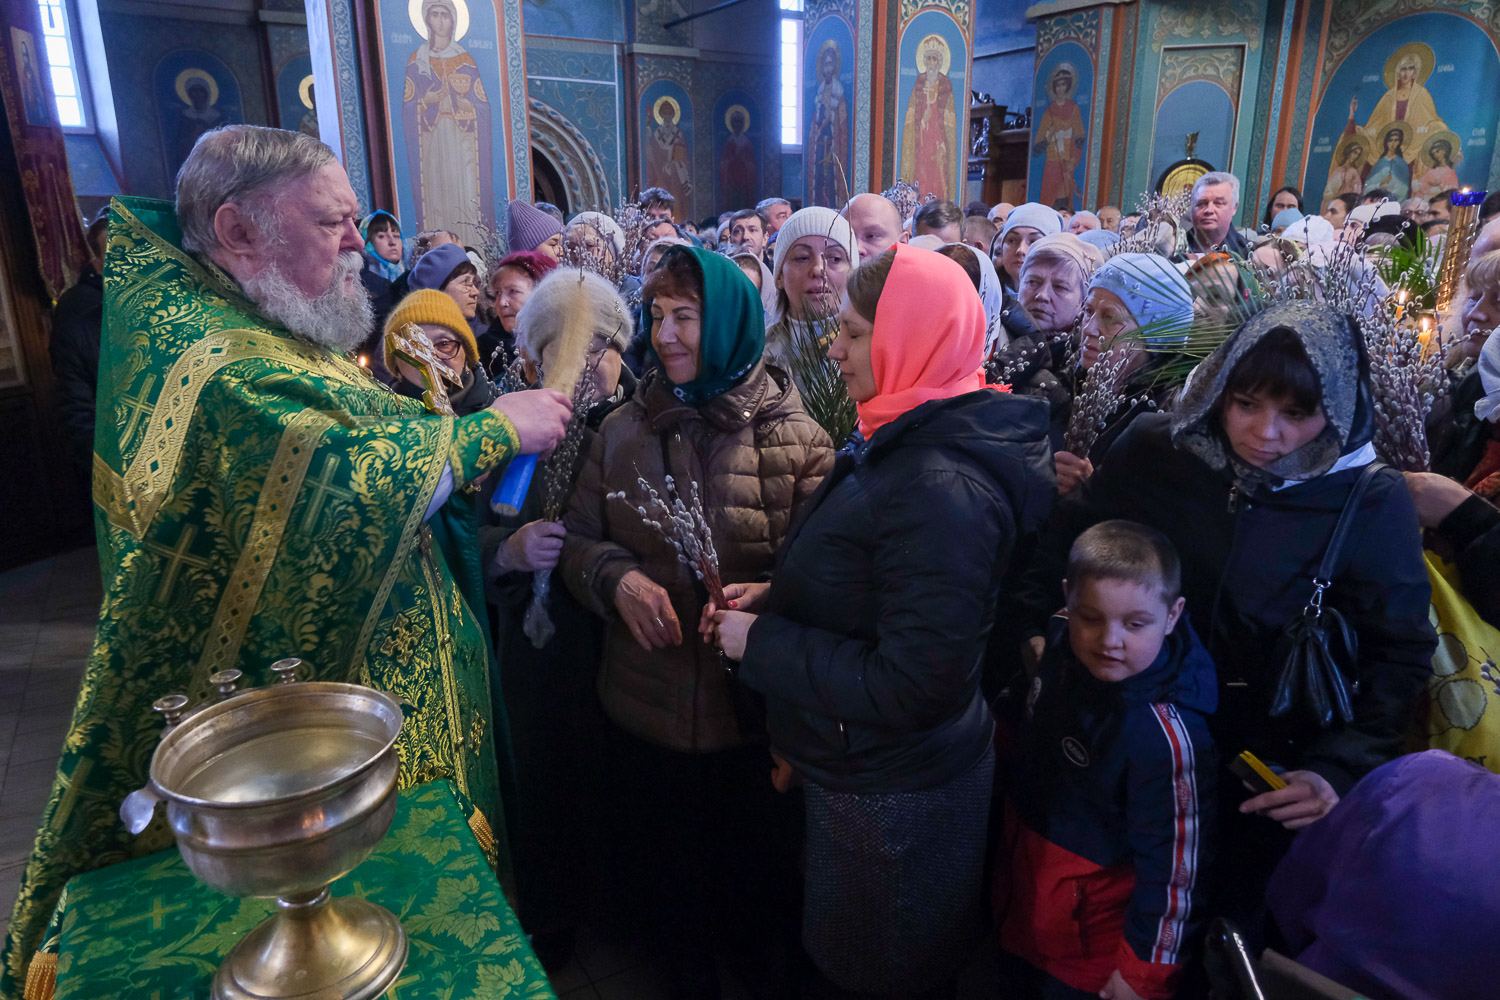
(815, 251)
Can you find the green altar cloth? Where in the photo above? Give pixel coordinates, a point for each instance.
(149, 930)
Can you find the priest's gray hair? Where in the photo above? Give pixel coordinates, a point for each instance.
(1218, 177)
(243, 164)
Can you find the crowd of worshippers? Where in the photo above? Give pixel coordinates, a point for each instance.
(1016, 511)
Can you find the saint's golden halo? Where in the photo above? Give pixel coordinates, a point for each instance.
(194, 73)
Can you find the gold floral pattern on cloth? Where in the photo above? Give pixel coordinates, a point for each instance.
(149, 928)
(257, 498)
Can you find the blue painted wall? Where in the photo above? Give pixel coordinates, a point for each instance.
(583, 80)
(1004, 52)
(1195, 106)
(601, 20)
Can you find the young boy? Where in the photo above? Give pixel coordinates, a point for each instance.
(1099, 893)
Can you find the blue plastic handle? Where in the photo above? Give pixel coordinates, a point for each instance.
(511, 491)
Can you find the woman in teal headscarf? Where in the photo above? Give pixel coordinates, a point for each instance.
(700, 823)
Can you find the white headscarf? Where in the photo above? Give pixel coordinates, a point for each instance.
(1489, 377)
(606, 227)
(665, 241)
(992, 295)
(767, 284)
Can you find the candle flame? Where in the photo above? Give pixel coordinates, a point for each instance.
(364, 362)
(1401, 297)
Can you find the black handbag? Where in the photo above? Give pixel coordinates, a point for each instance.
(1319, 648)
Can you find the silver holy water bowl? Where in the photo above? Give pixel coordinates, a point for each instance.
(276, 792)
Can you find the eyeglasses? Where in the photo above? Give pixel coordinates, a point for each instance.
(447, 349)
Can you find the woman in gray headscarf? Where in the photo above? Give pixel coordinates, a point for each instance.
(1247, 478)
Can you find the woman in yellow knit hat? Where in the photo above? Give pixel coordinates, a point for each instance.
(440, 318)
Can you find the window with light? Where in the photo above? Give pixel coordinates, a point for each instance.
(791, 73)
(67, 89)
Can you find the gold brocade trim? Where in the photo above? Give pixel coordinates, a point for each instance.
(109, 494)
(273, 511)
(445, 623)
(146, 234)
(414, 521)
(148, 477)
(482, 832)
(41, 974)
(215, 278)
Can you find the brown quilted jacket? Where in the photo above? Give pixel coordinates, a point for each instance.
(755, 455)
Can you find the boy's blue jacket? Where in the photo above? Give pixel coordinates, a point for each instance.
(1111, 794)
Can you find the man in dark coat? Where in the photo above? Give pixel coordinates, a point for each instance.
(76, 322)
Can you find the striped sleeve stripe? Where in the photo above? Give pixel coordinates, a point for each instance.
(1169, 928)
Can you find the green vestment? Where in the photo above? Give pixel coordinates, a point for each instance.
(258, 497)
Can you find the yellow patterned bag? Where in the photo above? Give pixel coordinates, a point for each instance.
(1462, 714)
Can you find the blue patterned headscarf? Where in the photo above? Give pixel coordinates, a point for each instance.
(389, 270)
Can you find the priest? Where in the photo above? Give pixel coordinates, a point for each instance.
(258, 496)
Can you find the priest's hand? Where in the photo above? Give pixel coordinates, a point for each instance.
(540, 417)
(646, 610)
(534, 546)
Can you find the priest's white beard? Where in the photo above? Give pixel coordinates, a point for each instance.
(340, 319)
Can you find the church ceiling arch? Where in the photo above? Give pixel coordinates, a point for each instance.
(571, 152)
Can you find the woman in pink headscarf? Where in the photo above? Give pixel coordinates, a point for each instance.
(869, 639)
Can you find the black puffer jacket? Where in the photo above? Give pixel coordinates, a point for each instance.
(872, 640)
(1247, 567)
(76, 324)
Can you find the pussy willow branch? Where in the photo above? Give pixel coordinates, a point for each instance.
(685, 527)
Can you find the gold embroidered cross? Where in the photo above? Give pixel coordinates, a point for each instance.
(176, 557)
(155, 915)
(403, 639)
(321, 488)
(151, 278)
(73, 789)
(137, 408)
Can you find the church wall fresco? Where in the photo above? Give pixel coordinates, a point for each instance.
(195, 93)
(666, 126)
(1063, 109)
(231, 55)
(296, 95)
(599, 20)
(1398, 110)
(1198, 90)
(828, 86)
(448, 99)
(739, 137)
(932, 99)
